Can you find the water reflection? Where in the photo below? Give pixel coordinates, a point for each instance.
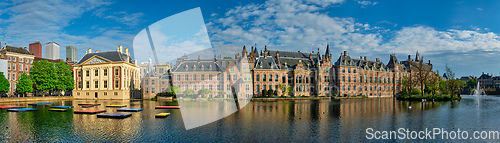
(259, 121)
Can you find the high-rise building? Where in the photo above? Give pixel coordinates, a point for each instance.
(71, 54)
(52, 51)
(36, 49)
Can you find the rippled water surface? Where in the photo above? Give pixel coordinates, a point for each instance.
(277, 121)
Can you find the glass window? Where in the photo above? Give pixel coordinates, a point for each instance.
(105, 84)
(96, 84)
(105, 72)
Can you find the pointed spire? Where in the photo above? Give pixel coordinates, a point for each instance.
(327, 53)
(417, 57)
(244, 49)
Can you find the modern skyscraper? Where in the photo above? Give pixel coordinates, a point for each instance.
(52, 51)
(71, 54)
(36, 48)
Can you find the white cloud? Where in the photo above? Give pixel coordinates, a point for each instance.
(366, 3)
(120, 16)
(480, 9)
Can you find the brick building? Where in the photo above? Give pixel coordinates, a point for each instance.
(20, 61)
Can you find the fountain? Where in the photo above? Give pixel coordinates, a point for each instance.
(478, 91)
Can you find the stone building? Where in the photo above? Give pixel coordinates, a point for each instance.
(106, 75)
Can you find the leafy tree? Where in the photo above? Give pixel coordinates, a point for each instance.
(24, 84)
(472, 83)
(44, 75)
(434, 82)
(189, 92)
(289, 90)
(276, 93)
(174, 90)
(415, 91)
(4, 84)
(221, 93)
(270, 92)
(264, 92)
(454, 85)
(227, 58)
(423, 73)
(65, 80)
(282, 88)
(205, 92)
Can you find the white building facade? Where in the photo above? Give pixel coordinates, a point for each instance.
(52, 51)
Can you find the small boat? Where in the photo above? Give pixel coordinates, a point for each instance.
(37, 104)
(116, 106)
(10, 106)
(89, 111)
(167, 107)
(129, 109)
(22, 109)
(114, 115)
(162, 115)
(62, 106)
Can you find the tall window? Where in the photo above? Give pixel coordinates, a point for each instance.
(194, 77)
(202, 76)
(264, 77)
(96, 84)
(105, 72)
(178, 77)
(105, 84)
(116, 83)
(96, 72)
(210, 77)
(258, 88)
(88, 84)
(270, 77)
(186, 77)
(257, 78)
(116, 71)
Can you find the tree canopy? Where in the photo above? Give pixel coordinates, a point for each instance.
(24, 84)
(44, 75)
(4, 83)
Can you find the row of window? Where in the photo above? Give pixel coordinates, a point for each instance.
(15, 59)
(367, 88)
(13, 67)
(265, 77)
(105, 93)
(202, 77)
(96, 73)
(96, 84)
(364, 79)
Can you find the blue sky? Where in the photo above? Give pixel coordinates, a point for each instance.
(463, 34)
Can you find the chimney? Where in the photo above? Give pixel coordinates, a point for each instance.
(378, 60)
(120, 47)
(365, 58)
(345, 53)
(360, 57)
(126, 51)
(429, 61)
(409, 57)
(90, 50)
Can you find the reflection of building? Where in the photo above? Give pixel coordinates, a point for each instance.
(71, 53)
(106, 75)
(36, 49)
(159, 68)
(52, 50)
(19, 60)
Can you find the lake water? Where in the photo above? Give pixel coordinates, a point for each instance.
(258, 121)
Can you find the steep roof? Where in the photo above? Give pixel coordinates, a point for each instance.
(197, 66)
(19, 50)
(113, 56)
(344, 60)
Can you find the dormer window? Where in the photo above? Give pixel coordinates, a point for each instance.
(194, 67)
(202, 67)
(210, 67)
(186, 67)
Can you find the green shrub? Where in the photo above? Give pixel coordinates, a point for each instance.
(264, 92)
(415, 91)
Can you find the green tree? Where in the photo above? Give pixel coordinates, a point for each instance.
(205, 92)
(4, 84)
(454, 85)
(189, 92)
(65, 80)
(43, 74)
(472, 83)
(264, 92)
(174, 90)
(24, 84)
(289, 90)
(221, 93)
(415, 91)
(282, 88)
(227, 58)
(275, 93)
(270, 92)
